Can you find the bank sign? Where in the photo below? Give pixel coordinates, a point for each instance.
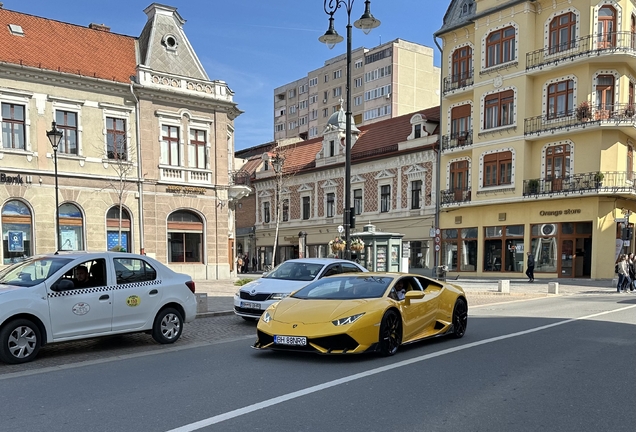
(16, 179)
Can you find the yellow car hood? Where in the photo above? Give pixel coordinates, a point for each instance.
(291, 310)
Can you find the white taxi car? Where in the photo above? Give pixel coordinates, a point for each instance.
(78, 295)
(253, 298)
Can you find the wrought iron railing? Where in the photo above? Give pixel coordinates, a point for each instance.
(600, 181)
(619, 113)
(458, 81)
(241, 178)
(455, 196)
(457, 140)
(596, 44)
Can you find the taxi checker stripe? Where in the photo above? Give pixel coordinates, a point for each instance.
(104, 288)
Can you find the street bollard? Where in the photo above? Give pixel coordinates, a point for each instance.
(202, 302)
(553, 287)
(504, 286)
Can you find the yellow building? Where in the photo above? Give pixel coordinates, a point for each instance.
(538, 136)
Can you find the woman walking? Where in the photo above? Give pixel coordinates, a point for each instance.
(623, 273)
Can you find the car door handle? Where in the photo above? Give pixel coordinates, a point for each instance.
(153, 292)
(104, 297)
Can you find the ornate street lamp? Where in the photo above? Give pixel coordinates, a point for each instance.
(55, 136)
(331, 37)
(278, 162)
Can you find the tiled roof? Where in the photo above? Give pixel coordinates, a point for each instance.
(390, 132)
(252, 164)
(69, 48)
(375, 139)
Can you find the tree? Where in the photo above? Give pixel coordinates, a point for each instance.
(282, 176)
(120, 156)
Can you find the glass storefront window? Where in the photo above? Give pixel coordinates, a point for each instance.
(503, 249)
(16, 232)
(420, 255)
(544, 247)
(459, 255)
(185, 237)
(71, 228)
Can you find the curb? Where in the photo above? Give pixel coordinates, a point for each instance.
(213, 314)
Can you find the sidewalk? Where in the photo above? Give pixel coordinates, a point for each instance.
(221, 292)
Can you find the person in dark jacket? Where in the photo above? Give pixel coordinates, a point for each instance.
(530, 269)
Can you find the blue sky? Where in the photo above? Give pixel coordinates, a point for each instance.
(256, 45)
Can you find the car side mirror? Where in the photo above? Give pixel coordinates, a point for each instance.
(62, 285)
(413, 295)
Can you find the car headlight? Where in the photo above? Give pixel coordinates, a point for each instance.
(348, 320)
(278, 296)
(266, 317)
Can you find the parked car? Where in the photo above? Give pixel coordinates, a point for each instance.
(253, 298)
(365, 312)
(70, 296)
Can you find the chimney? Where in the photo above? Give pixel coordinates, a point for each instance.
(100, 27)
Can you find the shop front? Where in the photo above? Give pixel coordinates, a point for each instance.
(567, 238)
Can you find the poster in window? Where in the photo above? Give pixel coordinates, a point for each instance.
(113, 240)
(16, 241)
(68, 240)
(395, 251)
(380, 259)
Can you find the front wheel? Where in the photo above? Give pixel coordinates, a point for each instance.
(390, 333)
(460, 318)
(168, 326)
(19, 341)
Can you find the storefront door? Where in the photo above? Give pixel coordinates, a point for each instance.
(567, 259)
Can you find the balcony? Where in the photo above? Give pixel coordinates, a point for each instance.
(457, 140)
(592, 45)
(454, 196)
(458, 82)
(241, 178)
(620, 114)
(615, 182)
(183, 174)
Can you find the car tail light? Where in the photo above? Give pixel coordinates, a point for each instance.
(190, 285)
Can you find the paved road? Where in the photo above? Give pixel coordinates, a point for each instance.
(556, 363)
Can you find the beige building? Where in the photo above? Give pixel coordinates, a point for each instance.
(387, 81)
(143, 125)
(393, 186)
(537, 136)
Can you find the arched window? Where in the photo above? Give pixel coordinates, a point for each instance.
(16, 232)
(563, 32)
(71, 228)
(606, 27)
(185, 237)
(112, 234)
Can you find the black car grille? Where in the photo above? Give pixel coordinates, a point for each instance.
(247, 311)
(337, 342)
(255, 297)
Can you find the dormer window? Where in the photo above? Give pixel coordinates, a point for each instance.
(418, 127)
(466, 7)
(266, 166)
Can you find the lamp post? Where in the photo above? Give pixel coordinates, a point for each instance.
(331, 37)
(55, 136)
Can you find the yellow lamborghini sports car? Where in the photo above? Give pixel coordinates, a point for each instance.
(363, 312)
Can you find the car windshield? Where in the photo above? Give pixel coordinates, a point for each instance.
(294, 270)
(345, 288)
(32, 271)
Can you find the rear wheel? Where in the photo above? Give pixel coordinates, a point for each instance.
(390, 333)
(19, 341)
(168, 326)
(460, 318)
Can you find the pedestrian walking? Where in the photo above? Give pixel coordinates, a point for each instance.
(623, 272)
(246, 263)
(530, 269)
(254, 264)
(631, 264)
(239, 264)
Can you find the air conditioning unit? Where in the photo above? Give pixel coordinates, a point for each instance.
(324, 101)
(388, 96)
(548, 229)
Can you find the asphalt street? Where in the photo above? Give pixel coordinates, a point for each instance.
(561, 363)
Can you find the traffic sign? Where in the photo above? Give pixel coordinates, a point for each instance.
(437, 248)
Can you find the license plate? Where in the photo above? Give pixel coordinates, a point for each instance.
(290, 340)
(248, 305)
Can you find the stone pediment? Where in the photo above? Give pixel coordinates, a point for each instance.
(357, 179)
(384, 174)
(329, 184)
(305, 187)
(415, 171)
